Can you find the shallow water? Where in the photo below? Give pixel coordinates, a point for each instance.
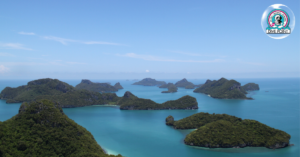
(144, 133)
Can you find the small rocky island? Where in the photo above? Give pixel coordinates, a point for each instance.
(98, 87)
(67, 96)
(132, 102)
(250, 87)
(149, 82)
(118, 86)
(223, 89)
(225, 131)
(42, 129)
(171, 88)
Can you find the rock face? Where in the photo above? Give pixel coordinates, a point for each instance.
(184, 83)
(131, 102)
(223, 89)
(171, 88)
(225, 131)
(44, 130)
(149, 82)
(118, 86)
(250, 87)
(96, 87)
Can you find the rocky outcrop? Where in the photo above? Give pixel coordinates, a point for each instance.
(170, 120)
(171, 88)
(184, 83)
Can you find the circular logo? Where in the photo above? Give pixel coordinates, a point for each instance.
(278, 21)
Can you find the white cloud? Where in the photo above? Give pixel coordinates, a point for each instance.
(155, 58)
(6, 54)
(27, 33)
(14, 46)
(66, 41)
(3, 69)
(147, 71)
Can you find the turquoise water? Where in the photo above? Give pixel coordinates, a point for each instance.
(144, 133)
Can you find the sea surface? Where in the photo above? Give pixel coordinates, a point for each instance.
(144, 133)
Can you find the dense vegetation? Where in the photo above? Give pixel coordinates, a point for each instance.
(131, 102)
(250, 87)
(35, 88)
(118, 86)
(171, 88)
(223, 89)
(81, 98)
(149, 82)
(96, 87)
(225, 131)
(42, 129)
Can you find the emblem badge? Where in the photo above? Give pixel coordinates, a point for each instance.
(278, 22)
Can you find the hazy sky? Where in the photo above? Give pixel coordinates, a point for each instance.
(121, 39)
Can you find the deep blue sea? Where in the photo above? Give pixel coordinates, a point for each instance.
(144, 133)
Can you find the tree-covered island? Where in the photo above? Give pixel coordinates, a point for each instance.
(149, 82)
(68, 96)
(42, 129)
(225, 131)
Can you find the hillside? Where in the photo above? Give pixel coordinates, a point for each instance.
(184, 83)
(223, 89)
(118, 86)
(95, 87)
(35, 88)
(225, 131)
(42, 129)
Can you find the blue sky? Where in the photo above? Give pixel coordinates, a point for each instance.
(137, 39)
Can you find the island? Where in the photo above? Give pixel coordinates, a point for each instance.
(56, 91)
(184, 83)
(149, 82)
(42, 129)
(118, 86)
(171, 88)
(223, 89)
(225, 131)
(250, 87)
(97, 87)
(68, 97)
(132, 102)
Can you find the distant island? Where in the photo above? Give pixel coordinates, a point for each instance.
(223, 89)
(171, 88)
(149, 82)
(132, 102)
(225, 131)
(68, 97)
(98, 87)
(42, 129)
(118, 86)
(186, 84)
(250, 87)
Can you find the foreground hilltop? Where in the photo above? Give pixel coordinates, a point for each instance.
(98, 87)
(68, 96)
(225, 131)
(149, 82)
(223, 89)
(42, 129)
(132, 102)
